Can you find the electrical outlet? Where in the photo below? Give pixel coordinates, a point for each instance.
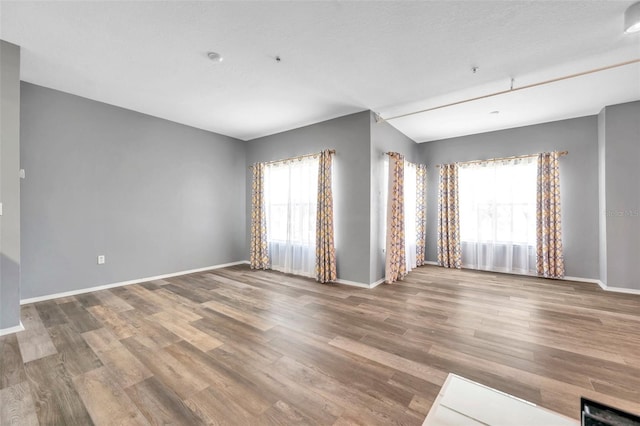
(101, 259)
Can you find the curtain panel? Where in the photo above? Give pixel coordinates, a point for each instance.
(395, 262)
(550, 258)
(259, 256)
(325, 247)
(421, 214)
(449, 253)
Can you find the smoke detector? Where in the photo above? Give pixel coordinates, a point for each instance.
(214, 56)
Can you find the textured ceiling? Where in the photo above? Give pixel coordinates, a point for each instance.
(337, 58)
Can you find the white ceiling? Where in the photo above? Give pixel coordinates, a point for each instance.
(337, 58)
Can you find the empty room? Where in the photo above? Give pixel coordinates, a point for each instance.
(320, 212)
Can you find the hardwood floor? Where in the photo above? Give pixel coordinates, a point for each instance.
(235, 346)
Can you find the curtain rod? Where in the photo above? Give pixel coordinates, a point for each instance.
(390, 153)
(379, 118)
(561, 154)
(299, 157)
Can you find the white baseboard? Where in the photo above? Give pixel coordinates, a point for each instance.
(586, 280)
(582, 280)
(376, 284)
(361, 285)
(224, 265)
(352, 283)
(604, 286)
(623, 290)
(10, 330)
(123, 283)
(380, 281)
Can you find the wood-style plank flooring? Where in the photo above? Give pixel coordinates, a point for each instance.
(235, 346)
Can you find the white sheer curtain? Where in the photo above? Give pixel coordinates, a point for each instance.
(410, 192)
(291, 191)
(497, 202)
(410, 232)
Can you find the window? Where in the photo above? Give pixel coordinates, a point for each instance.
(498, 215)
(410, 208)
(291, 191)
(410, 214)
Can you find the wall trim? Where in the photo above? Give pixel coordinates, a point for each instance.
(380, 281)
(377, 283)
(224, 265)
(123, 283)
(357, 284)
(587, 280)
(602, 285)
(623, 290)
(10, 330)
(352, 283)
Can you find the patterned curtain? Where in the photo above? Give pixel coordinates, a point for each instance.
(449, 253)
(395, 262)
(550, 259)
(325, 248)
(258, 246)
(421, 214)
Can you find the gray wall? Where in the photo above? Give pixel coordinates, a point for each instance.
(622, 183)
(153, 196)
(9, 185)
(157, 197)
(349, 135)
(384, 138)
(579, 179)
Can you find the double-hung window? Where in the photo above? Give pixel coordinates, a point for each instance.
(291, 193)
(497, 202)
